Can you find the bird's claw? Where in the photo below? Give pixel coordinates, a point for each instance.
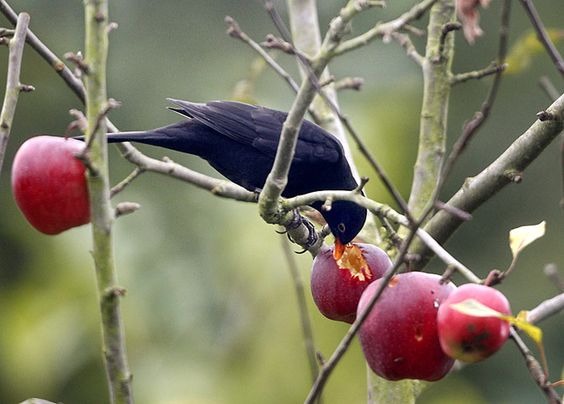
(312, 236)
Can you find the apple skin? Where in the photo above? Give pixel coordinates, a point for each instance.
(470, 338)
(399, 336)
(336, 291)
(49, 183)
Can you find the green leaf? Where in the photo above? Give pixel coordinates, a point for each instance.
(521, 237)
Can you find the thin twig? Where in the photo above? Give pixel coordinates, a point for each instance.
(552, 273)
(405, 42)
(549, 88)
(382, 210)
(547, 308)
(13, 86)
(116, 189)
(494, 68)
(305, 321)
(58, 65)
(234, 30)
(477, 190)
(543, 36)
(385, 30)
(535, 369)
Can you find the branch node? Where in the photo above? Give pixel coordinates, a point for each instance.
(78, 60)
(233, 28)
(112, 26)
(126, 208)
(99, 17)
(350, 83)
(453, 210)
(514, 176)
(547, 116)
(6, 33)
(361, 185)
(327, 205)
(26, 88)
(273, 42)
(447, 28)
(113, 292)
(494, 277)
(79, 122)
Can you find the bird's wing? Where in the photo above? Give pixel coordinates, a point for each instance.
(260, 128)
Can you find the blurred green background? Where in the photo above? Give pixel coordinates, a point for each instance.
(210, 312)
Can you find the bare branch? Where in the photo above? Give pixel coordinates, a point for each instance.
(13, 85)
(477, 74)
(535, 369)
(382, 210)
(549, 88)
(116, 189)
(471, 127)
(72, 81)
(385, 30)
(543, 36)
(493, 178)
(305, 321)
(405, 42)
(546, 309)
(552, 273)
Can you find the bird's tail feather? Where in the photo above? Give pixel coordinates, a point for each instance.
(178, 136)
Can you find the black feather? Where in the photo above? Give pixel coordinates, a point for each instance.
(240, 142)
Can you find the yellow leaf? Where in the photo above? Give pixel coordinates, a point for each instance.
(521, 237)
(534, 332)
(527, 47)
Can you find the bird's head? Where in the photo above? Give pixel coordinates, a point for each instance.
(345, 219)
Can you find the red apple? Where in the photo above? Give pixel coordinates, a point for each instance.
(49, 183)
(399, 336)
(471, 338)
(336, 286)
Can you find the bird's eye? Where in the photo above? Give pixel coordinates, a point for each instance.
(341, 227)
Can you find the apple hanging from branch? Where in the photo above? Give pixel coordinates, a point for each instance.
(49, 183)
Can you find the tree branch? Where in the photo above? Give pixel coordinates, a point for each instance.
(477, 190)
(278, 177)
(542, 35)
(102, 213)
(434, 110)
(66, 74)
(535, 368)
(386, 29)
(546, 309)
(383, 211)
(13, 85)
(305, 321)
(477, 74)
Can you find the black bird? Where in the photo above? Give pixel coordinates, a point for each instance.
(240, 142)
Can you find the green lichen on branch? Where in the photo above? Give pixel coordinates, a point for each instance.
(113, 336)
(434, 111)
